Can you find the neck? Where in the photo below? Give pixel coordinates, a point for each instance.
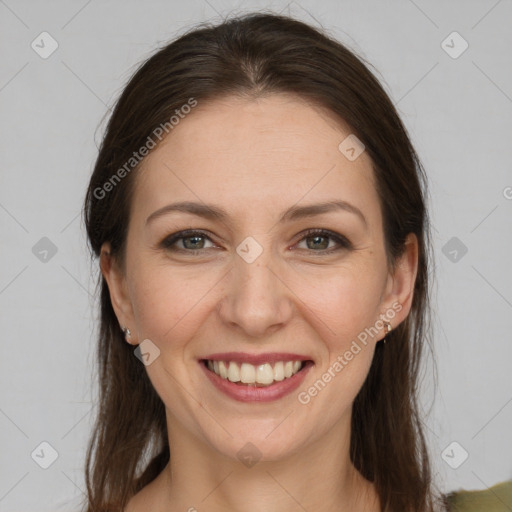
(317, 477)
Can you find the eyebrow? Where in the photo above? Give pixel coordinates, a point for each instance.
(212, 212)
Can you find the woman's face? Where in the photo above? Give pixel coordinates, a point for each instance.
(253, 289)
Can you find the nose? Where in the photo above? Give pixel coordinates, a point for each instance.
(256, 299)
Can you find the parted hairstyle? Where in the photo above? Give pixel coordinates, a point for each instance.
(251, 56)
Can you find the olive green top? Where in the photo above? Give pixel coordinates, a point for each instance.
(495, 499)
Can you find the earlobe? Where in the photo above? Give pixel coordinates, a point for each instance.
(119, 296)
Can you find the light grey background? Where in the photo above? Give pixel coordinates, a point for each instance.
(458, 112)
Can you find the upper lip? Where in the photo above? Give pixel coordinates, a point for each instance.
(256, 359)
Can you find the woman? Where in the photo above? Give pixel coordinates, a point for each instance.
(259, 215)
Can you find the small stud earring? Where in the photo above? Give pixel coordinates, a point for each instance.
(388, 328)
(127, 333)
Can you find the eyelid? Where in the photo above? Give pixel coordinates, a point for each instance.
(171, 240)
(342, 241)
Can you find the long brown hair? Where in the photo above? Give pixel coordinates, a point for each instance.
(252, 55)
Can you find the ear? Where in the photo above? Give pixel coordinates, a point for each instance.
(119, 296)
(400, 285)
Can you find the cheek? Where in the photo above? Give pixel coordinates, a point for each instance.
(167, 301)
(332, 394)
(168, 307)
(345, 301)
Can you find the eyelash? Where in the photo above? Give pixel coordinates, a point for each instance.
(343, 242)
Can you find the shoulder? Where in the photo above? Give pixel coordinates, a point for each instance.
(495, 499)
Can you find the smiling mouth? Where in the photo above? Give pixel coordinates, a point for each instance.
(262, 375)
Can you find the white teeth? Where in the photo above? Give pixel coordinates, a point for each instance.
(247, 373)
(279, 371)
(233, 372)
(223, 371)
(263, 374)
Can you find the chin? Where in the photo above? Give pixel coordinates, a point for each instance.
(250, 442)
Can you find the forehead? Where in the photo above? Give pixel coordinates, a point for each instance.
(255, 155)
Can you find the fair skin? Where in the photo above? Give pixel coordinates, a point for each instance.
(255, 159)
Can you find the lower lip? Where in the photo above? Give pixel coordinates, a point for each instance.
(248, 393)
